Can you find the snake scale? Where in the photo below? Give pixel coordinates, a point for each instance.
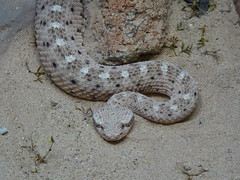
(59, 26)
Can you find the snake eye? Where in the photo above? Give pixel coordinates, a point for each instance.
(99, 126)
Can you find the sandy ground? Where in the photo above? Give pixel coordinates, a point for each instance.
(206, 146)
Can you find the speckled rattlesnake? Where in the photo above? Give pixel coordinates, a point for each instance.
(59, 29)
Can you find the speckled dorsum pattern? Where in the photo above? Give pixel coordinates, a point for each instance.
(59, 29)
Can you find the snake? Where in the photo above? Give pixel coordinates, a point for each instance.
(59, 29)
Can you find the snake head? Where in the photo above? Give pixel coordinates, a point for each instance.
(113, 122)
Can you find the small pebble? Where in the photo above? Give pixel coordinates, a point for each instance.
(3, 131)
(200, 121)
(187, 167)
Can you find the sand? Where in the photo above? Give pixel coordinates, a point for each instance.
(205, 146)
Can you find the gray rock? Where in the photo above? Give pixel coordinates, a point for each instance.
(202, 5)
(3, 131)
(14, 16)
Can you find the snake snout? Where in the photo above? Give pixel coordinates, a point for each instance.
(113, 122)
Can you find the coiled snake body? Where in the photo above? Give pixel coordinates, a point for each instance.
(59, 35)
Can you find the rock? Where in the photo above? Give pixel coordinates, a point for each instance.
(3, 131)
(201, 5)
(115, 30)
(124, 30)
(14, 16)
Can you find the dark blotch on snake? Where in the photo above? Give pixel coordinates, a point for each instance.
(74, 81)
(54, 64)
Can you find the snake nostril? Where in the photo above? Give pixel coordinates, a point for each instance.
(125, 125)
